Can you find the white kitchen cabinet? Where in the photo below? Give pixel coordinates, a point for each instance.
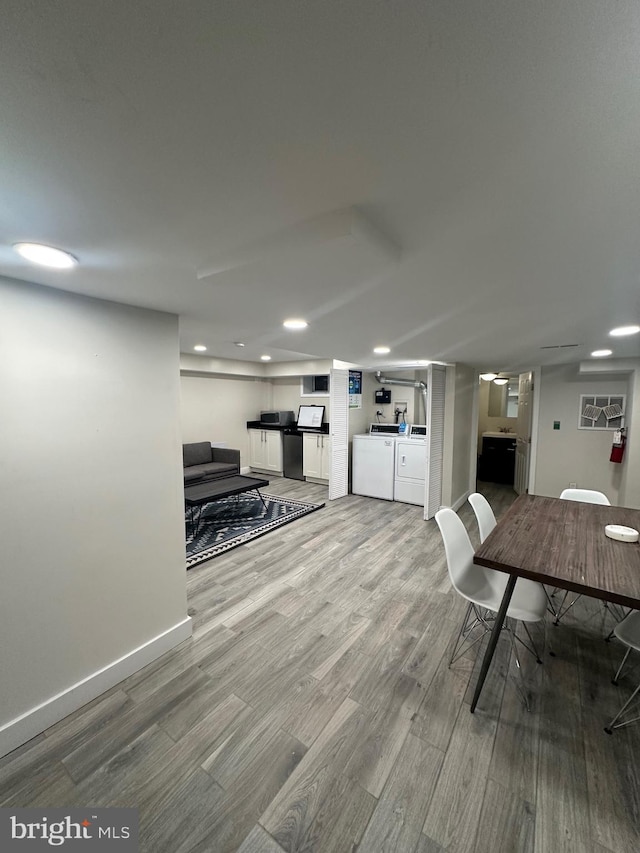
(265, 450)
(316, 456)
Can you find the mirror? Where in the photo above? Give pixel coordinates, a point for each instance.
(503, 399)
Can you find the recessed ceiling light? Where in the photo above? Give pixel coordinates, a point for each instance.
(200, 348)
(601, 353)
(295, 324)
(265, 358)
(239, 344)
(382, 350)
(622, 331)
(500, 381)
(37, 253)
(488, 377)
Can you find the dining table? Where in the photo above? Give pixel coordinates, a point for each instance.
(561, 543)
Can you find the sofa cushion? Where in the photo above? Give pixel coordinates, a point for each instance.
(219, 469)
(196, 453)
(192, 474)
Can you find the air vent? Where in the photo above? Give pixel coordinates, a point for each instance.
(561, 346)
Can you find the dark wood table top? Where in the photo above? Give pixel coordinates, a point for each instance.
(223, 488)
(562, 543)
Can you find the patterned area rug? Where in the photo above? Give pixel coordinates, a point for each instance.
(233, 521)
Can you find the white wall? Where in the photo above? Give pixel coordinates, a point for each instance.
(399, 394)
(217, 408)
(630, 475)
(459, 434)
(572, 455)
(93, 561)
(286, 397)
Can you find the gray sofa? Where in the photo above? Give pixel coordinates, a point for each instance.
(203, 462)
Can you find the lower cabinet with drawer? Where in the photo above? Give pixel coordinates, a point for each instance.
(498, 460)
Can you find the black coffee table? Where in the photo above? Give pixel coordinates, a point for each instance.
(214, 490)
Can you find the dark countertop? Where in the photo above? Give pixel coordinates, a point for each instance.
(258, 425)
(324, 429)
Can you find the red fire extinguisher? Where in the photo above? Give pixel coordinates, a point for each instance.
(619, 444)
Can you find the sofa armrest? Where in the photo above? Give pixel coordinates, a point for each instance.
(225, 454)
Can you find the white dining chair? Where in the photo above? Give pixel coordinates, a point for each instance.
(484, 514)
(483, 588)
(628, 632)
(486, 522)
(587, 496)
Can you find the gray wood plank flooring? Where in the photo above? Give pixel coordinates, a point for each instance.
(313, 710)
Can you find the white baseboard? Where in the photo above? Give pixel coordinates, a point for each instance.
(260, 472)
(36, 720)
(456, 506)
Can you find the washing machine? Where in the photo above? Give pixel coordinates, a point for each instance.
(411, 466)
(373, 461)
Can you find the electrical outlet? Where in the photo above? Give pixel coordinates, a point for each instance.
(573, 485)
(402, 407)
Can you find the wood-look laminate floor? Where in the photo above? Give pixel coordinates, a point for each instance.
(313, 710)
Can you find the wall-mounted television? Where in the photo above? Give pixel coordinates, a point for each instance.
(310, 417)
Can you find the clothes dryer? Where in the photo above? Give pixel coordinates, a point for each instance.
(411, 466)
(373, 462)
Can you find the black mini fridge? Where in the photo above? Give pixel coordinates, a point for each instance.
(292, 449)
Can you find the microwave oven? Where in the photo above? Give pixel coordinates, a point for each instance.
(277, 418)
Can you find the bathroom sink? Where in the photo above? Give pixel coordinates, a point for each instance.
(496, 434)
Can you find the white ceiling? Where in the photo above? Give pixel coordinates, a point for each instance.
(458, 180)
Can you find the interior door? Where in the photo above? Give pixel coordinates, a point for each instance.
(338, 447)
(436, 388)
(523, 432)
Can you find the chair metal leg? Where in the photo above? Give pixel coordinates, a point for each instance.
(564, 612)
(493, 640)
(617, 610)
(621, 667)
(523, 687)
(461, 632)
(614, 724)
(472, 619)
(550, 602)
(533, 649)
(619, 613)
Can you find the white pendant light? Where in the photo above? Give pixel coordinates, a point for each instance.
(500, 381)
